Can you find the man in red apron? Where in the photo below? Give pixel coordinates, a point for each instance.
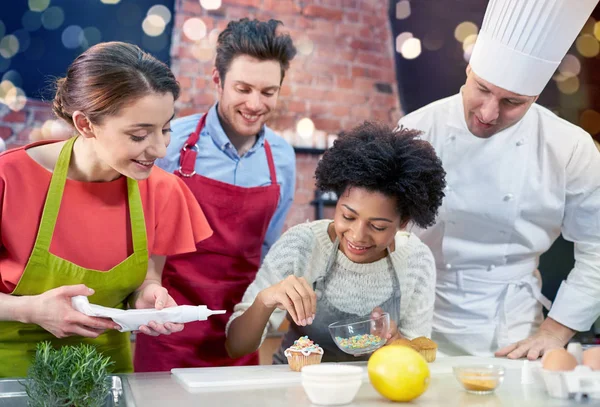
(243, 176)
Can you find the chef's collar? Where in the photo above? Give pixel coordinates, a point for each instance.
(456, 113)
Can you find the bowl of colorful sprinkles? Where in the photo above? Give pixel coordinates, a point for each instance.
(360, 336)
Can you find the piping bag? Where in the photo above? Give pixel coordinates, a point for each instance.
(132, 319)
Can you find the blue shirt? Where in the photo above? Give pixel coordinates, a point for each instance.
(218, 159)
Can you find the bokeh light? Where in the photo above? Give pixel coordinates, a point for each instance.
(569, 66)
(305, 128)
(72, 36)
(433, 40)
(161, 11)
(587, 45)
(53, 18)
(468, 51)
(55, 129)
(401, 39)
(15, 99)
(110, 1)
(9, 46)
(411, 48)
(304, 45)
(213, 36)
(203, 50)
(91, 36)
(194, 29)
(31, 20)
(5, 86)
(588, 27)
(569, 86)
(464, 30)
(153, 25)
(210, 4)
(402, 9)
(38, 5)
(590, 121)
(13, 77)
(597, 30)
(469, 42)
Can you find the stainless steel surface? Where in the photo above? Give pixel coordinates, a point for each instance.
(12, 393)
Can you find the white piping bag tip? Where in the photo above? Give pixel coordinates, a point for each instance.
(216, 312)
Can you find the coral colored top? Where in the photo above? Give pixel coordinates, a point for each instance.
(93, 229)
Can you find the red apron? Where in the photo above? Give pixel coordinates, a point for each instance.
(218, 273)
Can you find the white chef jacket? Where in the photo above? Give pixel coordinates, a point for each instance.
(508, 197)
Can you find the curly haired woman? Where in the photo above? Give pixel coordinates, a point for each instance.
(363, 261)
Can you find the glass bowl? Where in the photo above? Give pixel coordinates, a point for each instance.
(479, 379)
(360, 336)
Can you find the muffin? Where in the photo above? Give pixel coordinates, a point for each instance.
(404, 342)
(426, 347)
(302, 353)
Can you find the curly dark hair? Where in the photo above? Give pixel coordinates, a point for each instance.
(396, 163)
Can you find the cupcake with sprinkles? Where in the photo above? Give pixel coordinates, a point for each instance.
(302, 353)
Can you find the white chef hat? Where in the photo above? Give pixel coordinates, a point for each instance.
(522, 42)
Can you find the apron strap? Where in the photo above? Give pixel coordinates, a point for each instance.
(54, 197)
(189, 151)
(136, 216)
(272, 171)
(396, 292)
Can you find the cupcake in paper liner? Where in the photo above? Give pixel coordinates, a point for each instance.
(302, 353)
(426, 347)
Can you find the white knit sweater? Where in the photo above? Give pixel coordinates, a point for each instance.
(351, 287)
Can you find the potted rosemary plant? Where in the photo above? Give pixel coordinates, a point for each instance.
(72, 376)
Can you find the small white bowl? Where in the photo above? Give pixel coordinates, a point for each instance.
(331, 393)
(331, 384)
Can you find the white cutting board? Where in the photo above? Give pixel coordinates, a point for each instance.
(224, 378)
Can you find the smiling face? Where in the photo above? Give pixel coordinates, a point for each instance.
(248, 95)
(365, 223)
(130, 142)
(490, 109)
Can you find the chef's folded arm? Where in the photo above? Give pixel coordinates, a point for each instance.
(577, 303)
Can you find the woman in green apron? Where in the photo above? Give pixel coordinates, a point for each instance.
(90, 215)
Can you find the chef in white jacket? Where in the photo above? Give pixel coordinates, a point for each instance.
(517, 177)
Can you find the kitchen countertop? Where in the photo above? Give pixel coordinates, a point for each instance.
(163, 390)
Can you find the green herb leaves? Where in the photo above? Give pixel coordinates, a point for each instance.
(72, 376)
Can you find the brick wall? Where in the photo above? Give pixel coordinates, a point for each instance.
(15, 127)
(347, 77)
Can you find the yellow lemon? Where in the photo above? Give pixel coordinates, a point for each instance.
(398, 373)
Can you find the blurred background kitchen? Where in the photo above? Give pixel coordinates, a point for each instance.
(357, 60)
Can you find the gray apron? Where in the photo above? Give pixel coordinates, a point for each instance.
(327, 314)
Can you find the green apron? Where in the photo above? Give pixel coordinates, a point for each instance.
(45, 271)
